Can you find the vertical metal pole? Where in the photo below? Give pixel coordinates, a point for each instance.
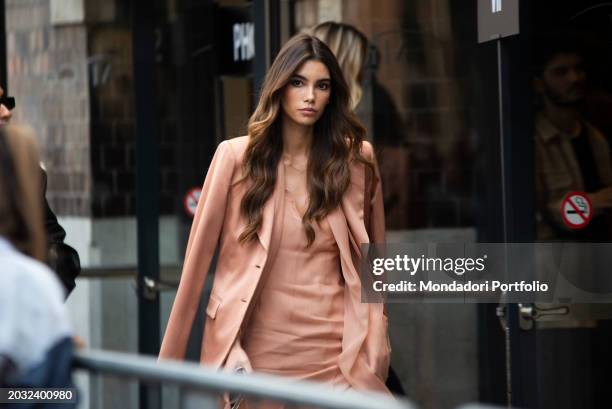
(502, 124)
(147, 189)
(518, 194)
(274, 29)
(491, 343)
(266, 15)
(509, 358)
(260, 64)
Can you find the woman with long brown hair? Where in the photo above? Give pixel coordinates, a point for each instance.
(288, 206)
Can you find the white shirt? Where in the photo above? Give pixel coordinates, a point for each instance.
(33, 317)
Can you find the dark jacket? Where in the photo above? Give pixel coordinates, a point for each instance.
(62, 258)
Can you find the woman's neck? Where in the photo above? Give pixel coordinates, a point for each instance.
(297, 139)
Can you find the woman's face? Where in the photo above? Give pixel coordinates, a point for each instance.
(307, 93)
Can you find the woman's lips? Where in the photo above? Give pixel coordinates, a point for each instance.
(307, 111)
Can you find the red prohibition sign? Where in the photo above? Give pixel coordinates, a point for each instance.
(576, 210)
(191, 200)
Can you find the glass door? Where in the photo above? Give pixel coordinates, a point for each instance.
(555, 93)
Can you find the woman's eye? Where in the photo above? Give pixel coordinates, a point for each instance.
(296, 82)
(324, 86)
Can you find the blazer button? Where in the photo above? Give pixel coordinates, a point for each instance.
(257, 265)
(243, 300)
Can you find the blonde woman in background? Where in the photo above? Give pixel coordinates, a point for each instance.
(350, 46)
(36, 338)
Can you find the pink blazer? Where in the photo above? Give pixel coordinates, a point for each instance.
(364, 360)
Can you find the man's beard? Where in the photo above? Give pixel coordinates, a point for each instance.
(559, 100)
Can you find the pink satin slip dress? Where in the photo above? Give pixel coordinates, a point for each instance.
(297, 324)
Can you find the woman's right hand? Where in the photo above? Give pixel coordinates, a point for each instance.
(237, 359)
(237, 362)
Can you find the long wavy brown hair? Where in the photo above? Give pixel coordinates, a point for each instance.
(338, 136)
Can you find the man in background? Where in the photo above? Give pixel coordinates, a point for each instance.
(571, 154)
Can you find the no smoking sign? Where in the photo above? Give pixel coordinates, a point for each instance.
(191, 201)
(576, 210)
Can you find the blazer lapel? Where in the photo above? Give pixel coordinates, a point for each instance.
(356, 313)
(347, 220)
(272, 210)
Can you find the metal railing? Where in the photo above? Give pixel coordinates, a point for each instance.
(168, 281)
(202, 386)
(170, 273)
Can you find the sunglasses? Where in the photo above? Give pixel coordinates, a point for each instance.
(8, 102)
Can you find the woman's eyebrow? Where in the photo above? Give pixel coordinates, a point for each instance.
(301, 77)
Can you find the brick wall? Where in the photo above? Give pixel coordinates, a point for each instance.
(74, 84)
(47, 73)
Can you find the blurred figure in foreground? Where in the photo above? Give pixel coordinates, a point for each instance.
(35, 337)
(62, 258)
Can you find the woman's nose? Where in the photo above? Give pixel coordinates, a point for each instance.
(309, 95)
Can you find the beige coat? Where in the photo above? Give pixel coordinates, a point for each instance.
(364, 360)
